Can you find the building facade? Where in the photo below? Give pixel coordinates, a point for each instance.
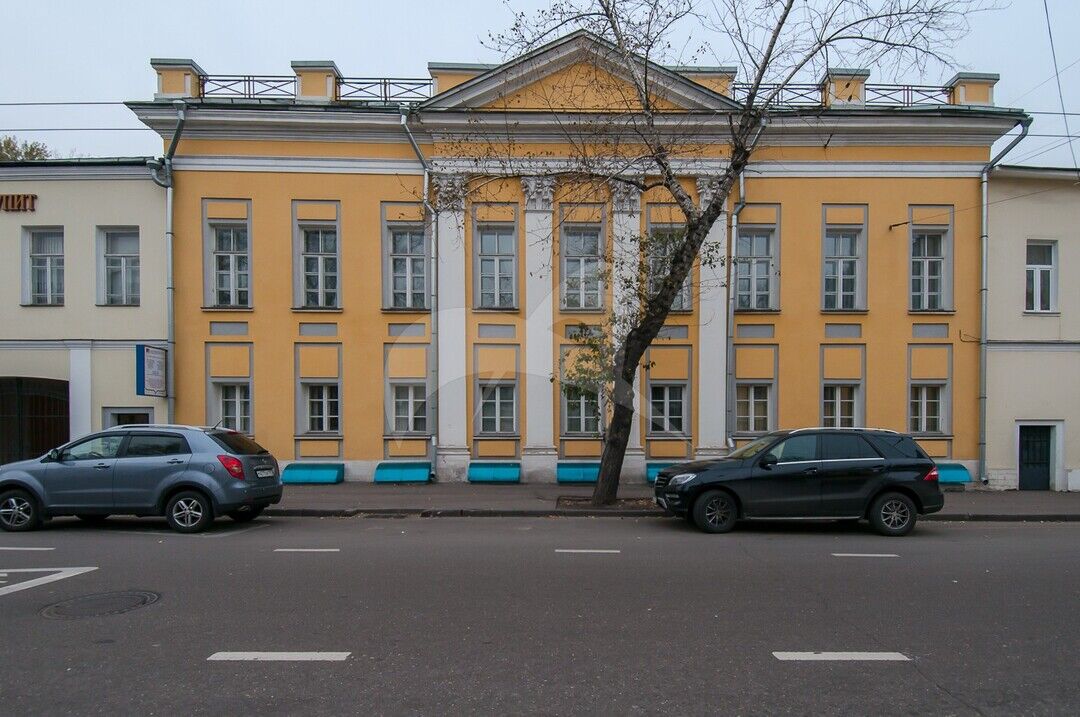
(326, 305)
(1033, 356)
(83, 293)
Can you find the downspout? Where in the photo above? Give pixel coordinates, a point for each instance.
(429, 210)
(984, 289)
(161, 173)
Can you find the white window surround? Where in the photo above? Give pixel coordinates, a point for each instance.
(928, 408)
(843, 282)
(669, 408)
(1041, 276)
(753, 407)
(756, 276)
(496, 408)
(408, 409)
(581, 249)
(405, 267)
(118, 254)
(841, 404)
(495, 269)
(42, 266)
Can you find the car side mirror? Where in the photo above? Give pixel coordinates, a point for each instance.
(53, 455)
(768, 461)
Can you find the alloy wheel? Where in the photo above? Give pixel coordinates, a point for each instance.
(717, 511)
(16, 512)
(895, 514)
(187, 512)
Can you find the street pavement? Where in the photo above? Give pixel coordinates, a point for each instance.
(510, 616)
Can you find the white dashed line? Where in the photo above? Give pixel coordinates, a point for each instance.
(841, 656)
(865, 555)
(27, 549)
(57, 574)
(278, 657)
(576, 550)
(307, 550)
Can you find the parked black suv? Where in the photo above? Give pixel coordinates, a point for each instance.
(822, 473)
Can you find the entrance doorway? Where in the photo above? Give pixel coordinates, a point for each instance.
(33, 417)
(1035, 454)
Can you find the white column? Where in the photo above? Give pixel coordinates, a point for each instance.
(625, 225)
(539, 455)
(80, 391)
(452, 451)
(712, 335)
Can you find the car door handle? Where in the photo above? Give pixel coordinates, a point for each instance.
(174, 460)
(877, 469)
(101, 466)
(810, 471)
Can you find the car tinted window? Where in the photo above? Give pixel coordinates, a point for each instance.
(796, 448)
(841, 446)
(897, 445)
(147, 446)
(94, 448)
(238, 443)
(753, 448)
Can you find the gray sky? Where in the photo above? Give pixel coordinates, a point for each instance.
(101, 51)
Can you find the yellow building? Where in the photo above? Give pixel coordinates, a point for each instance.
(321, 307)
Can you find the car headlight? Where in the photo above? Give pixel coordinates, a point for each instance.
(682, 478)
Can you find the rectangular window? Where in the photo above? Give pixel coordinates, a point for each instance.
(752, 408)
(1041, 284)
(498, 408)
(410, 408)
(838, 406)
(582, 410)
(236, 406)
(320, 262)
(323, 409)
(926, 409)
(408, 268)
(47, 267)
(667, 408)
(928, 270)
(231, 265)
(581, 267)
(122, 268)
(661, 247)
(842, 270)
(754, 286)
(497, 267)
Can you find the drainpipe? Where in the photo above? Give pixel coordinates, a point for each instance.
(433, 363)
(984, 291)
(161, 173)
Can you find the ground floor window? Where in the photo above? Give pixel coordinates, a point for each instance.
(111, 417)
(582, 410)
(752, 407)
(838, 405)
(498, 406)
(323, 411)
(236, 407)
(667, 408)
(410, 408)
(926, 409)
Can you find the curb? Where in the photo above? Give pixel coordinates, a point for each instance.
(590, 513)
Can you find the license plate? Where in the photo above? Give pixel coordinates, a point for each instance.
(265, 472)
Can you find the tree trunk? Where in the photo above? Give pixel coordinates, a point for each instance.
(615, 439)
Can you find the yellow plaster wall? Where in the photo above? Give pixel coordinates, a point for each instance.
(228, 361)
(318, 361)
(406, 362)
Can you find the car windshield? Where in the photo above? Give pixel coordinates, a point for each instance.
(238, 443)
(752, 448)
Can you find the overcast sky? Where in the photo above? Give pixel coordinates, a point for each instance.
(56, 50)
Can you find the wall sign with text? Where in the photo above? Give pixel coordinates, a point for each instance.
(150, 378)
(18, 202)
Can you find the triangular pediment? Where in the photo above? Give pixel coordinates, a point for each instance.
(577, 73)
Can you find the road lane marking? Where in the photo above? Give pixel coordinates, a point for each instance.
(278, 656)
(841, 656)
(28, 549)
(307, 550)
(577, 550)
(57, 574)
(865, 555)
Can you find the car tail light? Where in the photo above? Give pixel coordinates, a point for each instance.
(932, 475)
(233, 466)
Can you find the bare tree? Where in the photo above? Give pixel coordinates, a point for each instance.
(11, 149)
(638, 138)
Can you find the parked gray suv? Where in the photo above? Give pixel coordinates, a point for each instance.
(188, 474)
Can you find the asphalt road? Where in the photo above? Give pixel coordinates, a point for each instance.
(451, 616)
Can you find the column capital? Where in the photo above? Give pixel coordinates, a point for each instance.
(706, 189)
(625, 197)
(539, 193)
(451, 191)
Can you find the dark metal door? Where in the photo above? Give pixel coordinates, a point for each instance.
(1035, 457)
(33, 417)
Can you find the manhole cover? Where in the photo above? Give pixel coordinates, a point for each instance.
(100, 604)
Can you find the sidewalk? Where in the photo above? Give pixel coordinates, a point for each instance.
(543, 500)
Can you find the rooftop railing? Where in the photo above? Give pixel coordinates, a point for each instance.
(809, 95)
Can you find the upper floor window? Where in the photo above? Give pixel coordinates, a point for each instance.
(1041, 278)
(581, 267)
(497, 260)
(231, 265)
(839, 405)
(407, 266)
(667, 408)
(752, 408)
(320, 261)
(47, 267)
(121, 267)
(582, 411)
(754, 261)
(662, 244)
(498, 408)
(843, 270)
(928, 280)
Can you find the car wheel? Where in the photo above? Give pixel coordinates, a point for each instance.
(18, 511)
(715, 511)
(246, 516)
(189, 512)
(893, 514)
(92, 519)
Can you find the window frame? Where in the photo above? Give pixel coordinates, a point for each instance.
(221, 401)
(856, 401)
(306, 387)
(233, 271)
(54, 263)
(102, 262)
(479, 410)
(389, 229)
(479, 227)
(769, 412)
(321, 257)
(565, 258)
(946, 277)
(565, 403)
(771, 261)
(1036, 271)
(860, 264)
(391, 408)
(943, 408)
(667, 431)
(684, 300)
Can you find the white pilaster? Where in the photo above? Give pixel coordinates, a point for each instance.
(80, 392)
(539, 455)
(712, 335)
(625, 226)
(452, 451)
